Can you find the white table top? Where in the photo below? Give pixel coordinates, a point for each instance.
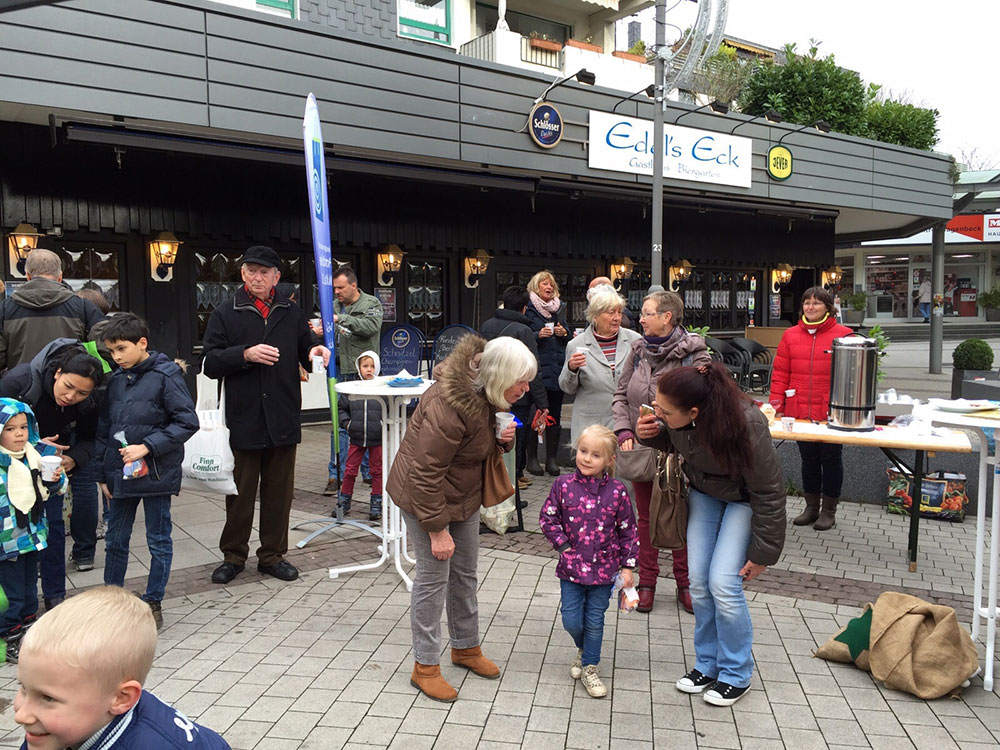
(925, 411)
(901, 438)
(378, 387)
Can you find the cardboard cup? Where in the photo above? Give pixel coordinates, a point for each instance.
(317, 364)
(550, 326)
(788, 424)
(504, 420)
(315, 322)
(49, 466)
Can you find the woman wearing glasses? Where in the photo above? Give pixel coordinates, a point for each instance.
(664, 346)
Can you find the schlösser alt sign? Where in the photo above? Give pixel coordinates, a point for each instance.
(625, 144)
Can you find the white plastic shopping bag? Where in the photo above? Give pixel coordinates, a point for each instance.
(208, 458)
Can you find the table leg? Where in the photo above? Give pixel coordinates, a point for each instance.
(981, 500)
(918, 476)
(991, 602)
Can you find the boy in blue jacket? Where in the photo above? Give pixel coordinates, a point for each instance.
(148, 416)
(81, 676)
(24, 531)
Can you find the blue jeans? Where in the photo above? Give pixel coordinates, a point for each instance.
(583, 610)
(718, 535)
(83, 522)
(345, 443)
(156, 509)
(19, 578)
(52, 559)
(925, 310)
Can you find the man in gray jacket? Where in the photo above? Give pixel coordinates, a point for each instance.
(42, 310)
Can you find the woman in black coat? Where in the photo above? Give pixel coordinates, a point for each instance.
(62, 385)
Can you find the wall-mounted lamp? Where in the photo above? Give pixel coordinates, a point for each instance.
(715, 105)
(780, 276)
(390, 260)
(621, 270)
(821, 126)
(475, 267)
(20, 242)
(680, 272)
(773, 116)
(649, 91)
(833, 276)
(162, 256)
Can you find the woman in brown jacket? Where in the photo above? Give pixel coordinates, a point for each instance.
(736, 515)
(665, 346)
(437, 482)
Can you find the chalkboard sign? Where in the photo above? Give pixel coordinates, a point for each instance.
(400, 350)
(445, 341)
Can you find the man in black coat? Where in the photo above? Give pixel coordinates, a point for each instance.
(510, 320)
(256, 341)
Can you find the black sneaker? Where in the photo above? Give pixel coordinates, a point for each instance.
(694, 682)
(12, 642)
(157, 611)
(724, 694)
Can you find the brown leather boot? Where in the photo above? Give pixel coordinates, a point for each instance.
(811, 513)
(473, 660)
(827, 516)
(428, 680)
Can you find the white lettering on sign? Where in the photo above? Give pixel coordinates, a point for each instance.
(625, 144)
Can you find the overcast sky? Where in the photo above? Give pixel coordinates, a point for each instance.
(935, 53)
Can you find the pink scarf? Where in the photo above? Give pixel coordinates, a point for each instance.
(545, 309)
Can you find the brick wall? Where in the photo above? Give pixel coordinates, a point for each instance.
(374, 18)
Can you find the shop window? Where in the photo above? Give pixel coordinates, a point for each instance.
(286, 5)
(520, 23)
(87, 266)
(721, 300)
(888, 287)
(428, 20)
(217, 277)
(425, 296)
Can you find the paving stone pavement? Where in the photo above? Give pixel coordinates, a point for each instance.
(323, 663)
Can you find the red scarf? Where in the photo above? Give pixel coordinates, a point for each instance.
(263, 305)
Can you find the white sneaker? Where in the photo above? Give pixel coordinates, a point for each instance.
(577, 669)
(592, 682)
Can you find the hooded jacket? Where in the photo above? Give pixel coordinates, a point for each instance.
(76, 425)
(23, 533)
(590, 521)
(40, 310)
(437, 474)
(761, 484)
(362, 417)
(803, 362)
(152, 405)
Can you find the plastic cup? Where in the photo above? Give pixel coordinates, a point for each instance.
(50, 467)
(504, 420)
(788, 424)
(317, 364)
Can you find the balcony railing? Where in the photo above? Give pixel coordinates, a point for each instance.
(537, 56)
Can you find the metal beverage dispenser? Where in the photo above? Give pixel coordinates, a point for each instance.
(852, 383)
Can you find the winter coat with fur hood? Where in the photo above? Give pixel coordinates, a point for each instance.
(437, 475)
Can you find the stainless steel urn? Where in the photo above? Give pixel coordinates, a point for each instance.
(852, 383)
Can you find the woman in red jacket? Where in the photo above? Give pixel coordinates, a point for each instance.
(802, 365)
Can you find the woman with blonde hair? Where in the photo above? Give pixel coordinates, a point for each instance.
(437, 482)
(547, 318)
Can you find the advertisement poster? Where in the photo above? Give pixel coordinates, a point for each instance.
(387, 296)
(775, 311)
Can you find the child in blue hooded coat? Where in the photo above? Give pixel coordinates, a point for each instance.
(23, 529)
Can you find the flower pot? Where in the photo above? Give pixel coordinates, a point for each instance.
(629, 56)
(584, 45)
(993, 314)
(958, 377)
(853, 317)
(546, 45)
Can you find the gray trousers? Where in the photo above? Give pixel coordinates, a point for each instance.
(444, 582)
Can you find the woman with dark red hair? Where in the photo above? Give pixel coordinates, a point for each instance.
(736, 515)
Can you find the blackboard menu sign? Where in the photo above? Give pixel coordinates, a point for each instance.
(446, 340)
(400, 350)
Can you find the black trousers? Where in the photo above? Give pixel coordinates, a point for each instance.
(822, 468)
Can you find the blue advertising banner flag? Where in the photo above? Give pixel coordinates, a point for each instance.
(319, 212)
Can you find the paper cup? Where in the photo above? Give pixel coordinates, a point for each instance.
(504, 420)
(788, 424)
(790, 393)
(49, 466)
(315, 322)
(318, 364)
(550, 326)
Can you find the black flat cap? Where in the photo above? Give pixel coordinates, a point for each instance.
(262, 255)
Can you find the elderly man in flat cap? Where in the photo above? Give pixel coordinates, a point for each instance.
(256, 341)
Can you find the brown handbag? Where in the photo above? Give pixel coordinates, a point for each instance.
(636, 465)
(668, 505)
(497, 486)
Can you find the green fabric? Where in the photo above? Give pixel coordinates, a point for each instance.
(857, 634)
(363, 319)
(91, 348)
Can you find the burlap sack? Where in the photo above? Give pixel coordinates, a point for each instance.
(912, 645)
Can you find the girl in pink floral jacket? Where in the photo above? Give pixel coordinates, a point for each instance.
(588, 518)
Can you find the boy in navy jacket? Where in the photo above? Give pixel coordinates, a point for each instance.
(81, 672)
(147, 418)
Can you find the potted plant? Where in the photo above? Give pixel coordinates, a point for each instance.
(990, 302)
(853, 307)
(542, 41)
(587, 44)
(972, 359)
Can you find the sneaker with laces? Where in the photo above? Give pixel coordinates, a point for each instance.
(102, 529)
(724, 694)
(83, 565)
(592, 682)
(576, 670)
(694, 682)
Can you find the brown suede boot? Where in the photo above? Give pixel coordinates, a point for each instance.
(811, 513)
(828, 516)
(428, 680)
(473, 660)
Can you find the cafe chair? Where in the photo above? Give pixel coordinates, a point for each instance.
(733, 359)
(758, 365)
